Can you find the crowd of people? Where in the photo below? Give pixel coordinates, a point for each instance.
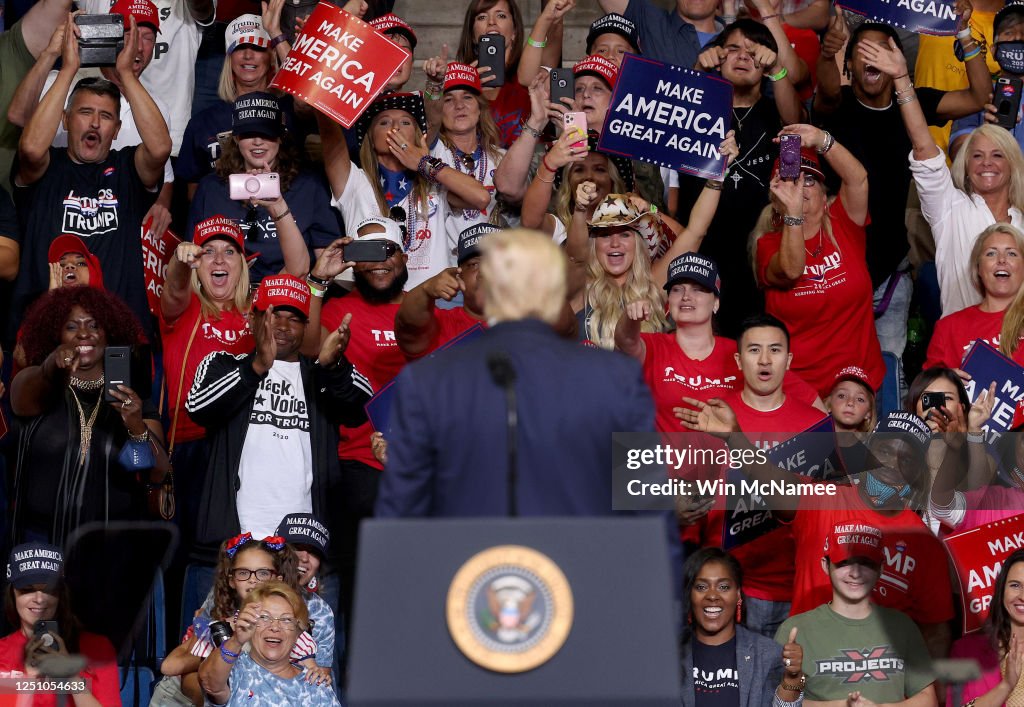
(747, 308)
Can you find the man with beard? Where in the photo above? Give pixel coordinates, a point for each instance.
(865, 117)
(373, 349)
(87, 189)
(419, 326)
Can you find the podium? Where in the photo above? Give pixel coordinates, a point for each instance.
(524, 611)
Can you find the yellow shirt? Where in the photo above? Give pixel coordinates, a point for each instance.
(938, 67)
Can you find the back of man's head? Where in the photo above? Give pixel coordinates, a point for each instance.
(523, 275)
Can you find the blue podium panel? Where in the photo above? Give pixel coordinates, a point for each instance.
(593, 593)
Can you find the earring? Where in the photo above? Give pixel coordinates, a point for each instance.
(739, 610)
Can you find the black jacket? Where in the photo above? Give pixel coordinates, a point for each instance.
(221, 400)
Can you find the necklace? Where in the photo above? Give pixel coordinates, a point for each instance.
(739, 120)
(85, 427)
(816, 253)
(472, 161)
(81, 384)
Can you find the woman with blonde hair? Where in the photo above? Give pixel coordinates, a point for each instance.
(400, 179)
(996, 272)
(808, 252)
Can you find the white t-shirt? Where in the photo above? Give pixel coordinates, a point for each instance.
(430, 249)
(172, 73)
(276, 468)
(127, 136)
(461, 219)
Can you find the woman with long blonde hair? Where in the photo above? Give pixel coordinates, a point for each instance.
(996, 272)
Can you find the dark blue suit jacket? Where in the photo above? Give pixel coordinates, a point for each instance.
(447, 453)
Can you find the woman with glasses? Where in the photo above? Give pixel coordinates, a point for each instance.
(283, 209)
(808, 254)
(399, 178)
(270, 621)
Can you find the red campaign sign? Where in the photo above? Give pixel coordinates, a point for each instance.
(339, 64)
(978, 555)
(156, 254)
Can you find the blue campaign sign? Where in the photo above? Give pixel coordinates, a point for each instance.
(669, 116)
(935, 17)
(812, 453)
(985, 365)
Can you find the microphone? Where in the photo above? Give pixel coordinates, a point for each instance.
(504, 376)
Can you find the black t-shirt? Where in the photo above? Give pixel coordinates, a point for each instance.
(716, 681)
(744, 194)
(8, 216)
(878, 138)
(53, 494)
(103, 204)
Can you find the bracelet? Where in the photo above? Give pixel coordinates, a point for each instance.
(713, 185)
(534, 43)
(976, 438)
(530, 130)
(546, 181)
(964, 34)
(279, 39)
(431, 96)
(544, 161)
(906, 99)
(227, 656)
(901, 76)
(433, 86)
(141, 438)
(909, 87)
(973, 53)
(827, 143)
(314, 290)
(728, 19)
(779, 76)
(429, 167)
(281, 215)
(323, 282)
(793, 220)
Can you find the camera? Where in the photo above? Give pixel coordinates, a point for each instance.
(47, 631)
(220, 631)
(933, 400)
(101, 39)
(254, 186)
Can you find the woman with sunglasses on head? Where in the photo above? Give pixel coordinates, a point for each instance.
(287, 232)
(400, 179)
(808, 253)
(271, 619)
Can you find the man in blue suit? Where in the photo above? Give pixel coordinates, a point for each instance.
(448, 452)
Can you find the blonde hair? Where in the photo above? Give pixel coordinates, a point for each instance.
(1003, 140)
(770, 221)
(869, 422)
(1013, 318)
(523, 276)
(420, 189)
(608, 300)
(275, 588)
(490, 138)
(979, 246)
(239, 300)
(565, 197)
(226, 89)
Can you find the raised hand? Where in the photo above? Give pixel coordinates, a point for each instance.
(405, 150)
(639, 311)
(887, 58)
(436, 67)
(331, 262)
(69, 57)
(446, 285)
(272, 16)
(188, 253)
(981, 410)
(764, 57)
(125, 64)
(335, 344)
(714, 417)
(586, 195)
(711, 58)
(266, 347)
(836, 35)
(788, 196)
(792, 656)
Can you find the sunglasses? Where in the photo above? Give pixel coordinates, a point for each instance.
(397, 214)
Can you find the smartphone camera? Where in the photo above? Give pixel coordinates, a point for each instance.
(254, 186)
(933, 400)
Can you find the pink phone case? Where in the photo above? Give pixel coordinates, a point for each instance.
(577, 120)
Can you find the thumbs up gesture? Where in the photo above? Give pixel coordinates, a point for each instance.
(792, 657)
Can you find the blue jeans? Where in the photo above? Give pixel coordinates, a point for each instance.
(892, 326)
(763, 616)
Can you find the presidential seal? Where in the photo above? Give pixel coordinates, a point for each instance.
(509, 609)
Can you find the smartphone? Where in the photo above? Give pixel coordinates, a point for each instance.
(933, 400)
(242, 187)
(1007, 100)
(117, 369)
(577, 119)
(789, 157)
(562, 85)
(101, 39)
(46, 630)
(369, 251)
(491, 53)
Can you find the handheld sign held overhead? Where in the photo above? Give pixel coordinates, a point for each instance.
(935, 17)
(339, 64)
(669, 116)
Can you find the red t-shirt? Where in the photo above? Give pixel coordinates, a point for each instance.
(372, 349)
(230, 333)
(767, 561)
(450, 323)
(828, 311)
(954, 333)
(509, 108)
(101, 670)
(672, 375)
(806, 46)
(915, 574)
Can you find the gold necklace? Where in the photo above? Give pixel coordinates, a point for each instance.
(85, 426)
(82, 384)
